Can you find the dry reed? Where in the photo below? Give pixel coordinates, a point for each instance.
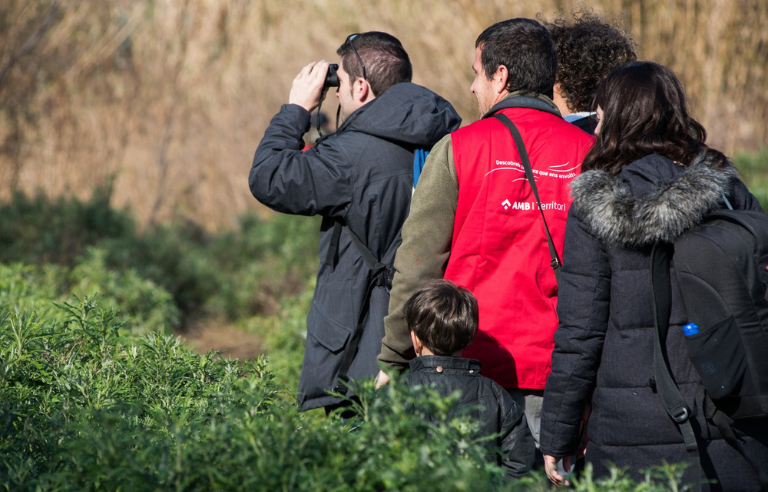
(170, 97)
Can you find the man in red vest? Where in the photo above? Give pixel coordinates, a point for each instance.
(474, 218)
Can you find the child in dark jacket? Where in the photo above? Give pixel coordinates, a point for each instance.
(443, 321)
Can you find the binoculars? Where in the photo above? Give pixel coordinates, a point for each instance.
(331, 78)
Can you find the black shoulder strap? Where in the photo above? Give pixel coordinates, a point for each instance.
(724, 425)
(375, 265)
(668, 391)
(333, 247)
(556, 263)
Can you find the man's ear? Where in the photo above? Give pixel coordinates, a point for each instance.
(500, 79)
(362, 89)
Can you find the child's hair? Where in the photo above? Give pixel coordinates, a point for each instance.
(443, 316)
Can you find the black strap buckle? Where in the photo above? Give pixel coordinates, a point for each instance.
(342, 390)
(341, 385)
(680, 414)
(384, 276)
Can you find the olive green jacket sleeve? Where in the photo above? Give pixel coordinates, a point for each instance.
(423, 255)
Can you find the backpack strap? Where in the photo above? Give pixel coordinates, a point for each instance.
(380, 275)
(555, 259)
(724, 424)
(330, 255)
(419, 158)
(670, 394)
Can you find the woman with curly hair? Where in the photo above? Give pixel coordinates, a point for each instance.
(587, 50)
(648, 178)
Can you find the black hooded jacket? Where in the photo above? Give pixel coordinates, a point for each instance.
(361, 177)
(484, 402)
(604, 344)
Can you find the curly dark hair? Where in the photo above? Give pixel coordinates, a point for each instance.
(645, 111)
(587, 50)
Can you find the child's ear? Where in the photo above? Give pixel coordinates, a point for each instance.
(418, 347)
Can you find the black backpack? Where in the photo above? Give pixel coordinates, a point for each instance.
(722, 269)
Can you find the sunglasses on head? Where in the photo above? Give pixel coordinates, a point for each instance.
(349, 41)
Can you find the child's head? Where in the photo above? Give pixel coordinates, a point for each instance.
(442, 318)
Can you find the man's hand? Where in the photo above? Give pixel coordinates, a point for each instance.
(307, 89)
(381, 379)
(550, 466)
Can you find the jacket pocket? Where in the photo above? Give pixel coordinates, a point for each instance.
(719, 357)
(328, 333)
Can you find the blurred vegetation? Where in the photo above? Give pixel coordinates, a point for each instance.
(166, 273)
(754, 171)
(283, 335)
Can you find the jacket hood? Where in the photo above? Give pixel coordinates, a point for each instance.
(406, 113)
(652, 199)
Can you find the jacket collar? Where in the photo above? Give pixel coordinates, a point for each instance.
(449, 365)
(651, 200)
(523, 100)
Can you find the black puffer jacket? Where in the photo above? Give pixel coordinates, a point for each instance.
(361, 177)
(604, 344)
(483, 401)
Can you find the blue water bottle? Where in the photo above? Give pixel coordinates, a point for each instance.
(690, 329)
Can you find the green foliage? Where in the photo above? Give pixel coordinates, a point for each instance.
(26, 288)
(143, 305)
(72, 379)
(754, 172)
(44, 230)
(285, 245)
(284, 335)
(234, 274)
(82, 408)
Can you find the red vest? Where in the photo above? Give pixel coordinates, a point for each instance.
(499, 249)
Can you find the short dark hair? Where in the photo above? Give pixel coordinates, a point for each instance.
(385, 59)
(587, 50)
(443, 315)
(525, 47)
(645, 111)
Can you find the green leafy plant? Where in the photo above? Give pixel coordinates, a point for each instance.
(754, 172)
(84, 408)
(143, 305)
(231, 275)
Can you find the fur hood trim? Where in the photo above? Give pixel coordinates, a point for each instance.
(678, 199)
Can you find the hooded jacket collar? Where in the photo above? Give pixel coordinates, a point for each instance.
(405, 113)
(652, 199)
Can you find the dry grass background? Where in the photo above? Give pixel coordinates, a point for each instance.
(169, 98)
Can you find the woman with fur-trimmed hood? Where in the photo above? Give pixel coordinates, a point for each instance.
(648, 178)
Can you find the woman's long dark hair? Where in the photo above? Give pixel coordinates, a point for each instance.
(645, 112)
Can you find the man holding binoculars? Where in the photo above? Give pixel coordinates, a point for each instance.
(360, 180)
